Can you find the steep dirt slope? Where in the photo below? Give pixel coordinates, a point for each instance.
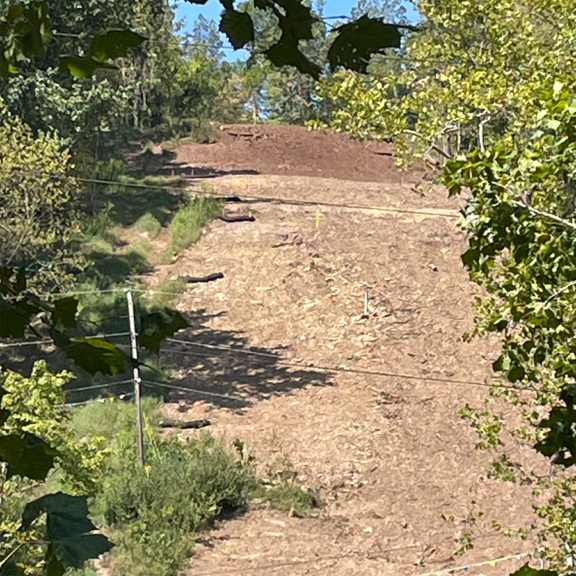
(293, 151)
(388, 452)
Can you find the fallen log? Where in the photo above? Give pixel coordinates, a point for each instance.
(239, 218)
(184, 424)
(209, 278)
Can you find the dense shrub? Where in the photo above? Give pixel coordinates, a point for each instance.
(156, 512)
(38, 204)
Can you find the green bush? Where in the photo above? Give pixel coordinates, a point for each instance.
(289, 497)
(155, 513)
(141, 247)
(168, 291)
(113, 421)
(39, 205)
(149, 224)
(186, 226)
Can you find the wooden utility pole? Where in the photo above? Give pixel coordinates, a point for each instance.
(136, 374)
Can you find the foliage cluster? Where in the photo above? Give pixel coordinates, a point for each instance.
(156, 514)
(520, 228)
(38, 204)
(36, 443)
(473, 73)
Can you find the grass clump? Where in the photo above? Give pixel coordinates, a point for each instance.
(154, 514)
(168, 291)
(186, 226)
(139, 246)
(148, 224)
(113, 421)
(289, 497)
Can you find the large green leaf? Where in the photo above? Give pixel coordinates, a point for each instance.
(25, 32)
(15, 317)
(82, 67)
(357, 41)
(297, 19)
(12, 281)
(114, 44)
(559, 441)
(26, 455)
(238, 26)
(287, 53)
(97, 355)
(156, 326)
(39, 32)
(69, 530)
(64, 313)
(11, 569)
(527, 571)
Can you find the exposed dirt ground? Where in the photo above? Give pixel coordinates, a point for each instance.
(389, 454)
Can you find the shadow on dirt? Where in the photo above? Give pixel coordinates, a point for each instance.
(163, 165)
(214, 364)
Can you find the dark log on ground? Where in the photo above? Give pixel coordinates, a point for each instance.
(209, 278)
(239, 218)
(184, 424)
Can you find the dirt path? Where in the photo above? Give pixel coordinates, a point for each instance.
(389, 454)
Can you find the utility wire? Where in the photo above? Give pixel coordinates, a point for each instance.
(357, 554)
(152, 384)
(110, 291)
(30, 343)
(274, 199)
(271, 566)
(100, 400)
(40, 342)
(296, 202)
(98, 386)
(280, 361)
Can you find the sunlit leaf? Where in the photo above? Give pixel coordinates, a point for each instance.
(526, 570)
(83, 67)
(97, 355)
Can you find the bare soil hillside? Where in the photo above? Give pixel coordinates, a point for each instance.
(293, 151)
(383, 443)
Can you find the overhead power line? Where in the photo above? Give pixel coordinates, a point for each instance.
(284, 362)
(357, 554)
(252, 198)
(98, 386)
(101, 400)
(151, 383)
(313, 203)
(41, 342)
